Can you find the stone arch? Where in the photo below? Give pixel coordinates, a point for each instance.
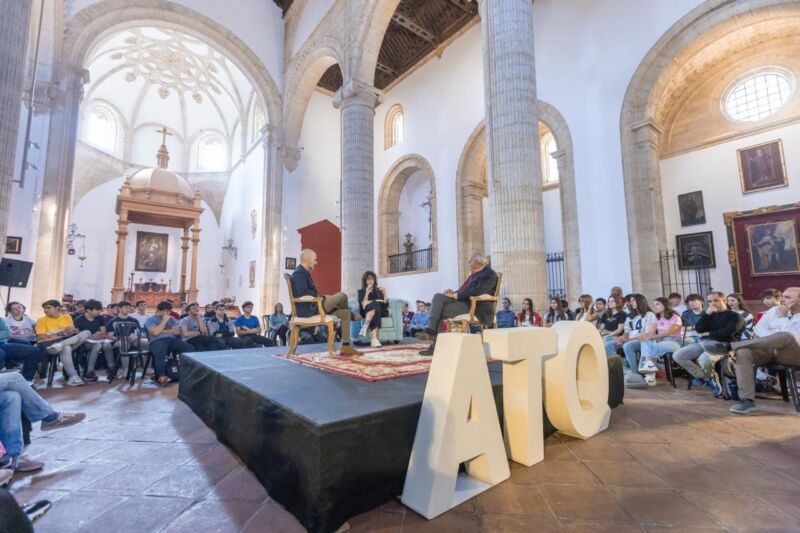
(81, 32)
(389, 210)
(472, 187)
(684, 50)
(299, 88)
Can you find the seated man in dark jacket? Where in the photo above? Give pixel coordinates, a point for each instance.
(718, 326)
(303, 285)
(450, 304)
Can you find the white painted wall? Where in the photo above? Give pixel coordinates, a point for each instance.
(245, 194)
(95, 218)
(715, 171)
(258, 23)
(313, 13)
(414, 217)
(553, 236)
(311, 192)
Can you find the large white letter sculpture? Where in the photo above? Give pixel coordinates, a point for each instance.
(522, 350)
(576, 381)
(458, 424)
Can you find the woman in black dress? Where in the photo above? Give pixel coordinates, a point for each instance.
(372, 300)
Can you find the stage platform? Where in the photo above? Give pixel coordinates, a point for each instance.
(325, 446)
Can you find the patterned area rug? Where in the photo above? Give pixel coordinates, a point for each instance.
(377, 364)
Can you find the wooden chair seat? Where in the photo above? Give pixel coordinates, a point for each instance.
(464, 321)
(315, 320)
(297, 323)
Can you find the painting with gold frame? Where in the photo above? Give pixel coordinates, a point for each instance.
(773, 248)
(14, 245)
(762, 167)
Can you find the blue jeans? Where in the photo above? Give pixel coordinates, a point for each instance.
(18, 398)
(160, 348)
(610, 344)
(29, 355)
(658, 347)
(630, 348)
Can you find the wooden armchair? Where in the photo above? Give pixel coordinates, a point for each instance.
(297, 323)
(463, 322)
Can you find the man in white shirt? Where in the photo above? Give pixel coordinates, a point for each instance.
(777, 342)
(141, 312)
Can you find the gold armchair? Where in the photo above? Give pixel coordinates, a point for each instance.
(297, 323)
(463, 322)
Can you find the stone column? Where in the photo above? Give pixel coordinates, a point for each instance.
(357, 101)
(191, 294)
(271, 219)
(48, 269)
(646, 231)
(14, 26)
(184, 256)
(118, 291)
(472, 225)
(569, 224)
(514, 166)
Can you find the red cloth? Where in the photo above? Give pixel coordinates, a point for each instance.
(537, 320)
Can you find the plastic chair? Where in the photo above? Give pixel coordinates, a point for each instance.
(133, 350)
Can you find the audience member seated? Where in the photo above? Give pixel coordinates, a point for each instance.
(505, 317)
(691, 317)
(718, 327)
(664, 336)
(612, 324)
(408, 314)
(769, 297)
(420, 319)
(195, 332)
(736, 303)
(777, 343)
(567, 310)
(174, 314)
(141, 312)
(19, 351)
(528, 316)
(124, 317)
(97, 340)
(450, 304)
(639, 321)
(248, 328)
(111, 313)
(336, 304)
(79, 309)
(600, 306)
(163, 333)
(556, 313)
(586, 311)
(57, 335)
(676, 303)
(278, 323)
(372, 300)
(18, 398)
(21, 326)
(223, 328)
(210, 311)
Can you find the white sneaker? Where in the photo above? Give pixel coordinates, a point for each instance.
(375, 343)
(54, 348)
(75, 381)
(363, 331)
(647, 366)
(650, 379)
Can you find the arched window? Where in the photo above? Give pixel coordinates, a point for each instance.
(258, 121)
(101, 128)
(394, 127)
(549, 164)
(211, 152)
(758, 95)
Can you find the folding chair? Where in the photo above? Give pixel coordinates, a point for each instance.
(133, 350)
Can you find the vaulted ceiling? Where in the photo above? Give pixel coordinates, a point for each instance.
(417, 28)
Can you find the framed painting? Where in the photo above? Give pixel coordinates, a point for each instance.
(692, 211)
(14, 245)
(151, 251)
(762, 167)
(773, 248)
(695, 250)
(252, 274)
(290, 263)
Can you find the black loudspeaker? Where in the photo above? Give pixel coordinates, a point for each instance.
(14, 273)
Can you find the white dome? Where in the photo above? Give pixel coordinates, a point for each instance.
(160, 180)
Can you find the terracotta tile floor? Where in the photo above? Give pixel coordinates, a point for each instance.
(671, 459)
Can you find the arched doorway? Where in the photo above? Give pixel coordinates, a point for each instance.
(472, 189)
(391, 228)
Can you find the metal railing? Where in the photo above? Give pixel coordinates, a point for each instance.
(556, 275)
(696, 279)
(411, 261)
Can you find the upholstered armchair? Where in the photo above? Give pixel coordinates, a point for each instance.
(391, 326)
